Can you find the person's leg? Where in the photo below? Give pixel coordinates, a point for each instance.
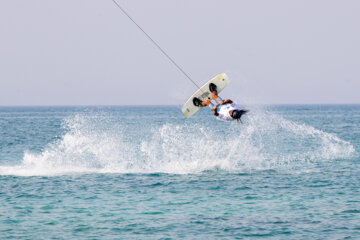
(216, 97)
(197, 102)
(207, 103)
(213, 90)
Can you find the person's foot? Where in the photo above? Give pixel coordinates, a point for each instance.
(212, 87)
(197, 102)
(206, 103)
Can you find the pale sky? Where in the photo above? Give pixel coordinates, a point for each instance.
(87, 52)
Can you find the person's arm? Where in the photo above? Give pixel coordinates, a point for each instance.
(215, 110)
(228, 101)
(223, 102)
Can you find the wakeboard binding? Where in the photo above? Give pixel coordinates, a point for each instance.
(197, 102)
(212, 87)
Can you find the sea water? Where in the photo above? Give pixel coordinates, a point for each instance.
(146, 172)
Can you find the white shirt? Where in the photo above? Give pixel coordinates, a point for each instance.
(223, 111)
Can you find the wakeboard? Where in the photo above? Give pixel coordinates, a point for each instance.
(203, 93)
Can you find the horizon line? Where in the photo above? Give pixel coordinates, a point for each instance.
(172, 105)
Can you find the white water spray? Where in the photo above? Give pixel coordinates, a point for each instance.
(97, 144)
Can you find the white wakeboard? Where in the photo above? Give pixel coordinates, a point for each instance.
(221, 81)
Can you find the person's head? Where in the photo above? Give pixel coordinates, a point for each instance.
(236, 114)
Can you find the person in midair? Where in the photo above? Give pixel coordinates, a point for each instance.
(226, 110)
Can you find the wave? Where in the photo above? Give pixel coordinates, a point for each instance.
(102, 144)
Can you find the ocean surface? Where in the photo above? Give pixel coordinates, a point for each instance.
(146, 172)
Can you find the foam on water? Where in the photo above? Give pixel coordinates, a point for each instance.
(99, 144)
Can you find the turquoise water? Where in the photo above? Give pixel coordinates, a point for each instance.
(288, 172)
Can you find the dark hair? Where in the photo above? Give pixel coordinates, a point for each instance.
(236, 114)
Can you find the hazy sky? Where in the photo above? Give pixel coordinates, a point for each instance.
(87, 52)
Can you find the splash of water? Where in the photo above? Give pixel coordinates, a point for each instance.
(97, 144)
